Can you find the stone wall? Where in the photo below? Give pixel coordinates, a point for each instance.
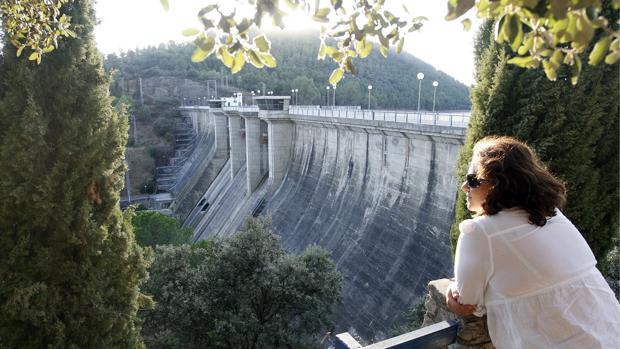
(473, 332)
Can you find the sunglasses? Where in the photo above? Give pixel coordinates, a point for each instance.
(473, 181)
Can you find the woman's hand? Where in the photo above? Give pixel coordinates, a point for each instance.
(452, 301)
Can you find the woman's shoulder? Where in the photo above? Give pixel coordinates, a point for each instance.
(470, 225)
(489, 224)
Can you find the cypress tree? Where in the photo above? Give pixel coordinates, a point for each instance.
(69, 265)
(574, 129)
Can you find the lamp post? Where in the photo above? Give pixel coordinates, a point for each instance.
(296, 96)
(369, 88)
(293, 96)
(334, 99)
(327, 95)
(435, 84)
(420, 77)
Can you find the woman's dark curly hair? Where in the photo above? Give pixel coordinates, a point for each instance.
(518, 178)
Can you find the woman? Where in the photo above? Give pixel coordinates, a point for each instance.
(522, 262)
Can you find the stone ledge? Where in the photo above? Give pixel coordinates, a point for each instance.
(473, 331)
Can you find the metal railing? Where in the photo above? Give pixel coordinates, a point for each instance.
(436, 336)
(424, 118)
(451, 119)
(246, 108)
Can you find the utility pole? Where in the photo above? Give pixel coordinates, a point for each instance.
(128, 185)
(135, 129)
(209, 87)
(141, 93)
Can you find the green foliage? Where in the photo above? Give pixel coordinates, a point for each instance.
(574, 129)
(164, 127)
(149, 186)
(69, 266)
(542, 32)
(241, 292)
(611, 268)
(299, 69)
(36, 25)
(413, 319)
(153, 228)
(550, 32)
(350, 24)
(159, 154)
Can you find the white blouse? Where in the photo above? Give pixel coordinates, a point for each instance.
(539, 286)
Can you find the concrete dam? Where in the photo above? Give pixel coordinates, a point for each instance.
(377, 189)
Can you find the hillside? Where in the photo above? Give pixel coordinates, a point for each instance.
(168, 75)
(393, 79)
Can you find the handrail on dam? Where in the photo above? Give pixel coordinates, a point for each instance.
(411, 117)
(247, 109)
(425, 118)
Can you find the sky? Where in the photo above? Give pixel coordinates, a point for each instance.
(126, 25)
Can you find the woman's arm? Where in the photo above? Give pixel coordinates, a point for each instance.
(452, 301)
(472, 265)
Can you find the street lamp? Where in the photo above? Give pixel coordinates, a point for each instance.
(293, 96)
(334, 99)
(327, 95)
(369, 88)
(420, 77)
(296, 96)
(435, 84)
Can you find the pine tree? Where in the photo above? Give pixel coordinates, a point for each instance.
(69, 265)
(574, 129)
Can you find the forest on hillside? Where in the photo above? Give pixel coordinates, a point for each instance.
(393, 79)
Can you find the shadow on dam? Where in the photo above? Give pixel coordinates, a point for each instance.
(380, 198)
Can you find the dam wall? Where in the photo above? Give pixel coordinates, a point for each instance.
(378, 194)
(206, 160)
(382, 204)
(240, 187)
